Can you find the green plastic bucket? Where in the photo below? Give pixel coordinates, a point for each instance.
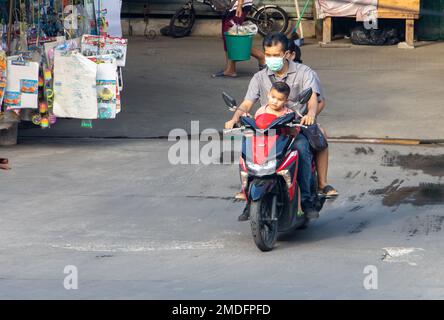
(239, 46)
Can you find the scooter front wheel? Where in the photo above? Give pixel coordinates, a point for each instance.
(263, 228)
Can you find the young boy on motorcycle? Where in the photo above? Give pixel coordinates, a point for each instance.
(265, 115)
(277, 100)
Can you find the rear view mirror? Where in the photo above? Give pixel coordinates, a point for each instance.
(304, 96)
(229, 100)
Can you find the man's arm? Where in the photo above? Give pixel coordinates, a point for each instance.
(321, 97)
(310, 82)
(244, 107)
(310, 117)
(321, 106)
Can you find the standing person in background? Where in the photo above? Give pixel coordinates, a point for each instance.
(236, 15)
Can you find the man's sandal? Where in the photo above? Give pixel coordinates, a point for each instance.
(329, 192)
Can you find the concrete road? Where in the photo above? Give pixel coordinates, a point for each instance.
(137, 227)
(372, 92)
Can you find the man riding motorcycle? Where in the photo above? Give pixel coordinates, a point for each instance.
(299, 77)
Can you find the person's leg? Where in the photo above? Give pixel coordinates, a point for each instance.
(305, 175)
(259, 55)
(322, 169)
(230, 66)
(299, 200)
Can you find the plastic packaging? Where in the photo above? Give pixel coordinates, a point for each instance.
(247, 28)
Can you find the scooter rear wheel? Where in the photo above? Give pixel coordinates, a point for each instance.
(264, 230)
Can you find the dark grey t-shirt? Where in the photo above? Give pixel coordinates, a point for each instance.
(299, 77)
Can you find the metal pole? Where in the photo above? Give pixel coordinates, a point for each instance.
(8, 41)
(298, 25)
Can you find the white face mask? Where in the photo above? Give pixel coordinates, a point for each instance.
(274, 63)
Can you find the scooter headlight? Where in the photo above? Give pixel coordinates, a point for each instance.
(267, 168)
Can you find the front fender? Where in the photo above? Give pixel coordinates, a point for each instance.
(258, 188)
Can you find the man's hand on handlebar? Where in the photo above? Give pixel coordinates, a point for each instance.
(235, 122)
(242, 110)
(230, 124)
(308, 119)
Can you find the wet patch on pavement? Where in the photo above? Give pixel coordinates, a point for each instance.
(422, 195)
(352, 175)
(432, 165)
(390, 188)
(424, 225)
(374, 177)
(389, 159)
(356, 198)
(363, 150)
(359, 227)
(351, 198)
(356, 208)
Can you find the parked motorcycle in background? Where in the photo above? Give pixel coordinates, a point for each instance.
(268, 18)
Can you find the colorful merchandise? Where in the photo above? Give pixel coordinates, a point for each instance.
(22, 84)
(62, 61)
(98, 45)
(75, 93)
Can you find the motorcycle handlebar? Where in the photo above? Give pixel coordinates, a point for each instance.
(241, 129)
(292, 125)
(234, 130)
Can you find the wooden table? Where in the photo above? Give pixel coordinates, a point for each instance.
(388, 9)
